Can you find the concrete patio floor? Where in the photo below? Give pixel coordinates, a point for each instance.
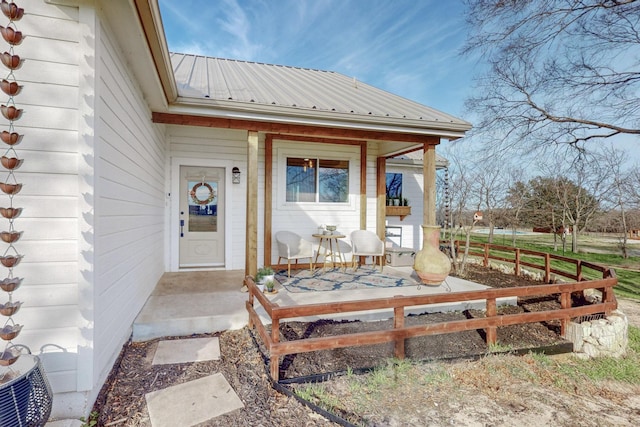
(189, 303)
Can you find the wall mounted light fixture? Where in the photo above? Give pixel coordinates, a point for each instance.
(235, 175)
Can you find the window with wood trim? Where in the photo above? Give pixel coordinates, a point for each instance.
(312, 180)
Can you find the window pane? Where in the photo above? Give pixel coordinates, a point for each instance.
(394, 185)
(334, 181)
(301, 180)
(203, 206)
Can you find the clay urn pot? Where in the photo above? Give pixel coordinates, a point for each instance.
(11, 10)
(10, 188)
(10, 213)
(431, 265)
(10, 138)
(12, 62)
(10, 112)
(10, 236)
(10, 35)
(10, 162)
(10, 88)
(10, 284)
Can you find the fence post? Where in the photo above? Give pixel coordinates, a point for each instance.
(398, 322)
(486, 255)
(547, 268)
(245, 282)
(491, 331)
(565, 302)
(274, 361)
(516, 268)
(579, 270)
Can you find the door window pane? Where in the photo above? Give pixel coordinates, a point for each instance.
(203, 206)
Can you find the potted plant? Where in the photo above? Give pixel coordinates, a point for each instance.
(405, 201)
(265, 274)
(269, 286)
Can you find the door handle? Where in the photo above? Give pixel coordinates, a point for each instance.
(182, 228)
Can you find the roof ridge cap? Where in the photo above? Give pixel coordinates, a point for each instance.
(254, 62)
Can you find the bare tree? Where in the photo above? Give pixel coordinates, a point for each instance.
(621, 193)
(465, 199)
(516, 200)
(581, 186)
(492, 185)
(561, 71)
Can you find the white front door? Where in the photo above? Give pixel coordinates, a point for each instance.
(202, 207)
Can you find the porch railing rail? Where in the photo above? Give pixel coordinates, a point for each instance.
(524, 257)
(399, 332)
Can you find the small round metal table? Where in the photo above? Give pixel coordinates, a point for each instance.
(331, 249)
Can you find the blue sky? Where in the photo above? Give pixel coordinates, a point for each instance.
(408, 47)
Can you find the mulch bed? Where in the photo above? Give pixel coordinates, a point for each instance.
(121, 401)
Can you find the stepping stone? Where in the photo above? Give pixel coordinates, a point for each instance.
(191, 403)
(186, 351)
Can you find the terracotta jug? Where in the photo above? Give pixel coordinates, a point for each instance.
(431, 265)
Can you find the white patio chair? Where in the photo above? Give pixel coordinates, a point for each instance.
(292, 246)
(366, 243)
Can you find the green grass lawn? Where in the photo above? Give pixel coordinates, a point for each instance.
(592, 249)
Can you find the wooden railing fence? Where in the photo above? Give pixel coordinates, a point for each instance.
(539, 260)
(399, 333)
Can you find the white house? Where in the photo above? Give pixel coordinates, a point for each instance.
(129, 153)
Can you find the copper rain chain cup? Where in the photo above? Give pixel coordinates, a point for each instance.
(11, 10)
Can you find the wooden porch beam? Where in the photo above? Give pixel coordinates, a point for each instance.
(315, 139)
(284, 128)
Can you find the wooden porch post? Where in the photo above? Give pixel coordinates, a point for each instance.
(363, 186)
(251, 244)
(268, 197)
(429, 178)
(381, 190)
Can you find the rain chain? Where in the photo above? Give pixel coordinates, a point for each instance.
(10, 185)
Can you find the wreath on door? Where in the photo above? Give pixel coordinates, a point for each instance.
(194, 195)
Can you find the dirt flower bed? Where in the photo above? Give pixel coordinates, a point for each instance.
(457, 386)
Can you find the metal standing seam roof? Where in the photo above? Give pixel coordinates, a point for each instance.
(297, 89)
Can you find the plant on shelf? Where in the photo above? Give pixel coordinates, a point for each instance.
(265, 274)
(405, 201)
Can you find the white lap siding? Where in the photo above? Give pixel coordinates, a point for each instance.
(93, 199)
(412, 185)
(304, 218)
(227, 148)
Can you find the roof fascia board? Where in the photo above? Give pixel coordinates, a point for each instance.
(272, 126)
(241, 108)
(151, 23)
(374, 126)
